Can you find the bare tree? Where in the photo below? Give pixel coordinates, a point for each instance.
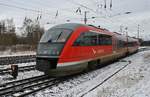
(32, 30)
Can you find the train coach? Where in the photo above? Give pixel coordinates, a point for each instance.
(70, 48)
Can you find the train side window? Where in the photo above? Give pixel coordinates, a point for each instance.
(104, 39)
(130, 44)
(86, 39)
(79, 40)
(120, 43)
(93, 39)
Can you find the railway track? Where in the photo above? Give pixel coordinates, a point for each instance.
(106, 79)
(28, 86)
(144, 49)
(17, 59)
(21, 69)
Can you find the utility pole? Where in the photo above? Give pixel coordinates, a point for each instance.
(105, 6)
(85, 17)
(0, 28)
(138, 31)
(127, 37)
(126, 33)
(121, 29)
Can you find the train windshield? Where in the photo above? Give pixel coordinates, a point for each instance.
(57, 35)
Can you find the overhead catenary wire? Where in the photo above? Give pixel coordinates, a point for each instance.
(17, 7)
(26, 9)
(81, 5)
(27, 4)
(47, 5)
(41, 11)
(38, 11)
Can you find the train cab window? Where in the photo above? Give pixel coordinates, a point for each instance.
(92, 39)
(56, 35)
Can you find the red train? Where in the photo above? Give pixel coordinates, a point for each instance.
(70, 48)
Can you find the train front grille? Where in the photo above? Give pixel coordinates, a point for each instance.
(45, 64)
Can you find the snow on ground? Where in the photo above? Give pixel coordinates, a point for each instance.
(21, 75)
(10, 53)
(133, 81)
(77, 86)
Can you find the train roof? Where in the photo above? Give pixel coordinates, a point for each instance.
(124, 38)
(71, 26)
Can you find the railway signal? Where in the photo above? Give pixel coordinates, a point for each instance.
(14, 71)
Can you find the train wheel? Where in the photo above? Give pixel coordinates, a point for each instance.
(46, 73)
(92, 65)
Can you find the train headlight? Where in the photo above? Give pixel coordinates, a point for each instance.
(45, 52)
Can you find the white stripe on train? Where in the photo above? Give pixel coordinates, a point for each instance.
(72, 63)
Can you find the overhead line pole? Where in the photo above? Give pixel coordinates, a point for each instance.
(127, 38)
(138, 31)
(85, 17)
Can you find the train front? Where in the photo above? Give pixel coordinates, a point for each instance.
(50, 47)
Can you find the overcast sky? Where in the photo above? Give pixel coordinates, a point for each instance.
(112, 19)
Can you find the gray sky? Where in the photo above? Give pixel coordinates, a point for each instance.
(111, 19)
(66, 8)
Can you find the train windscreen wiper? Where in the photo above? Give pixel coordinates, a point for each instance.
(59, 36)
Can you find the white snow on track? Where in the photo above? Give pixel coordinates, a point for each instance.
(21, 75)
(19, 65)
(10, 53)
